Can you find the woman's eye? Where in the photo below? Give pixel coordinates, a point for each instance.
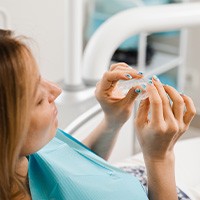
(41, 97)
(40, 102)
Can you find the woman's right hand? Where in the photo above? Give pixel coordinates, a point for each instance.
(158, 132)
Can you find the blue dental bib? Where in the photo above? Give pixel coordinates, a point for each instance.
(65, 169)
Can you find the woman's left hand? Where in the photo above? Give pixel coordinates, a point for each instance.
(117, 109)
(162, 119)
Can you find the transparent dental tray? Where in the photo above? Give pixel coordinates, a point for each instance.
(123, 86)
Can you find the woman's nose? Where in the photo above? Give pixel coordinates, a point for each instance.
(54, 92)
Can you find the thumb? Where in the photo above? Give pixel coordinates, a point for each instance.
(131, 95)
(142, 113)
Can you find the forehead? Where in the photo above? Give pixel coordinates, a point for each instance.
(31, 68)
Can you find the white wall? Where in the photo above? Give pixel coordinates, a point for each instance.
(43, 21)
(193, 66)
(192, 87)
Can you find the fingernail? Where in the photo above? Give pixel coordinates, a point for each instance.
(128, 76)
(143, 86)
(181, 93)
(165, 85)
(150, 82)
(138, 91)
(155, 78)
(140, 73)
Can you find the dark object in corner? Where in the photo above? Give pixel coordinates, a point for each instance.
(130, 56)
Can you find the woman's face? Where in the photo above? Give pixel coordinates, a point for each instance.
(44, 121)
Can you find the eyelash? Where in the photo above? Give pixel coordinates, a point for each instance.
(40, 102)
(42, 98)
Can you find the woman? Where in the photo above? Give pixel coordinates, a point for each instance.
(64, 168)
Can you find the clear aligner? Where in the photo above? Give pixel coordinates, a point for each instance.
(123, 86)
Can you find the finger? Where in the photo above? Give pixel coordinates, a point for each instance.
(110, 78)
(167, 112)
(132, 94)
(122, 64)
(124, 67)
(178, 102)
(156, 106)
(190, 109)
(142, 113)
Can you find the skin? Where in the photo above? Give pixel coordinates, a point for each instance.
(116, 110)
(157, 135)
(40, 131)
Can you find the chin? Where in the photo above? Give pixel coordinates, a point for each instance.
(54, 129)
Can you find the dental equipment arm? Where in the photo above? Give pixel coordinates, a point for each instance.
(114, 31)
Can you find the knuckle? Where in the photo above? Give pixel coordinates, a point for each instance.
(159, 128)
(162, 129)
(98, 95)
(183, 129)
(193, 112)
(180, 102)
(122, 64)
(120, 68)
(157, 102)
(118, 65)
(113, 65)
(106, 74)
(173, 128)
(165, 102)
(189, 98)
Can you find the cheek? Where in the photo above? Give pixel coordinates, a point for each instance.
(40, 126)
(42, 129)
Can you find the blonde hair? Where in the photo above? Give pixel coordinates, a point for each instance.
(17, 67)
